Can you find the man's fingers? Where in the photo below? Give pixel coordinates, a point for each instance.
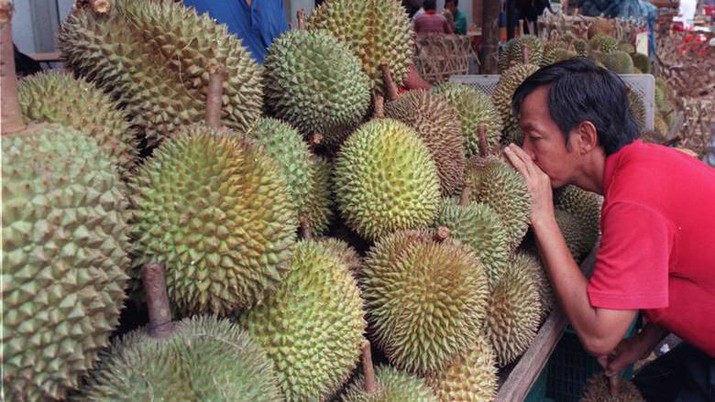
(516, 160)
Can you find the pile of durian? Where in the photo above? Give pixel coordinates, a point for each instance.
(602, 44)
(298, 210)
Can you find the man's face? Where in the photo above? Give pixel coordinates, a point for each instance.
(449, 5)
(543, 140)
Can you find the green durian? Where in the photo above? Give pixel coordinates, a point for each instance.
(204, 359)
(312, 327)
(155, 58)
(495, 183)
(619, 62)
(216, 210)
(377, 31)
(603, 43)
(507, 85)
(516, 48)
(392, 386)
(470, 377)
(513, 314)
(314, 82)
(598, 389)
(65, 259)
(425, 299)
(385, 180)
(473, 108)
(585, 206)
(54, 97)
(435, 121)
(480, 227)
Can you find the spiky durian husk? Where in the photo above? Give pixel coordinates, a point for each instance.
(386, 180)
(581, 47)
(585, 206)
(555, 52)
(204, 359)
(312, 327)
(619, 62)
(320, 201)
(392, 385)
(425, 300)
(214, 209)
(513, 53)
(498, 185)
(603, 43)
(284, 144)
(642, 62)
(598, 389)
(507, 85)
(53, 97)
(345, 252)
(470, 377)
(154, 57)
(530, 261)
(473, 108)
(377, 31)
(575, 236)
(478, 226)
(64, 259)
(314, 82)
(513, 314)
(636, 107)
(436, 122)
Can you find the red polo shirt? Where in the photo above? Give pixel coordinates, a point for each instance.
(657, 250)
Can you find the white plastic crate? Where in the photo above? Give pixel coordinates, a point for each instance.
(644, 84)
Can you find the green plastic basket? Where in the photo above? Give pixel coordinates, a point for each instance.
(570, 366)
(537, 393)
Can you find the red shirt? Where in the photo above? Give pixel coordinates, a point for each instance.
(657, 250)
(430, 22)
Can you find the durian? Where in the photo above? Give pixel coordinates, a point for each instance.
(385, 180)
(598, 389)
(314, 82)
(392, 386)
(503, 93)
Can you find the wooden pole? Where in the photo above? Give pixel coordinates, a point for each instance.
(11, 120)
(490, 37)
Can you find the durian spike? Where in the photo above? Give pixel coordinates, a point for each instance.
(11, 120)
(368, 370)
(390, 87)
(482, 138)
(306, 228)
(154, 282)
(466, 194)
(442, 234)
(378, 103)
(214, 96)
(300, 16)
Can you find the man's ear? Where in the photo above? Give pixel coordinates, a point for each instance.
(586, 137)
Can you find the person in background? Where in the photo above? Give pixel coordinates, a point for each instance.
(413, 8)
(430, 21)
(256, 22)
(456, 17)
(656, 253)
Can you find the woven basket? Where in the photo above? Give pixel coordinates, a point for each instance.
(439, 56)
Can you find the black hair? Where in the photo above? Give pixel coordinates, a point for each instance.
(456, 2)
(429, 5)
(581, 91)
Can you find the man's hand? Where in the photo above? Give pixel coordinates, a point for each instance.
(538, 183)
(632, 349)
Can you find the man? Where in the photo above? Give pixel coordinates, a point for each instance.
(457, 18)
(657, 251)
(256, 22)
(430, 21)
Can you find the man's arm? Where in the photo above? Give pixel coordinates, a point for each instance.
(600, 330)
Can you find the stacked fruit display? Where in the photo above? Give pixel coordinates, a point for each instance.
(293, 220)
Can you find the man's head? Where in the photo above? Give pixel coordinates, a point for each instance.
(411, 6)
(451, 5)
(580, 92)
(429, 5)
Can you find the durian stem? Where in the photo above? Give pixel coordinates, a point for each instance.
(217, 74)
(300, 16)
(466, 193)
(154, 282)
(379, 104)
(368, 370)
(100, 6)
(442, 234)
(390, 87)
(306, 229)
(11, 120)
(483, 142)
(614, 383)
(315, 139)
(525, 55)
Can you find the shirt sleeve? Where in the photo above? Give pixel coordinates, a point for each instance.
(631, 270)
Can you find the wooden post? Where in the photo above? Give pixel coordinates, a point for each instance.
(490, 38)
